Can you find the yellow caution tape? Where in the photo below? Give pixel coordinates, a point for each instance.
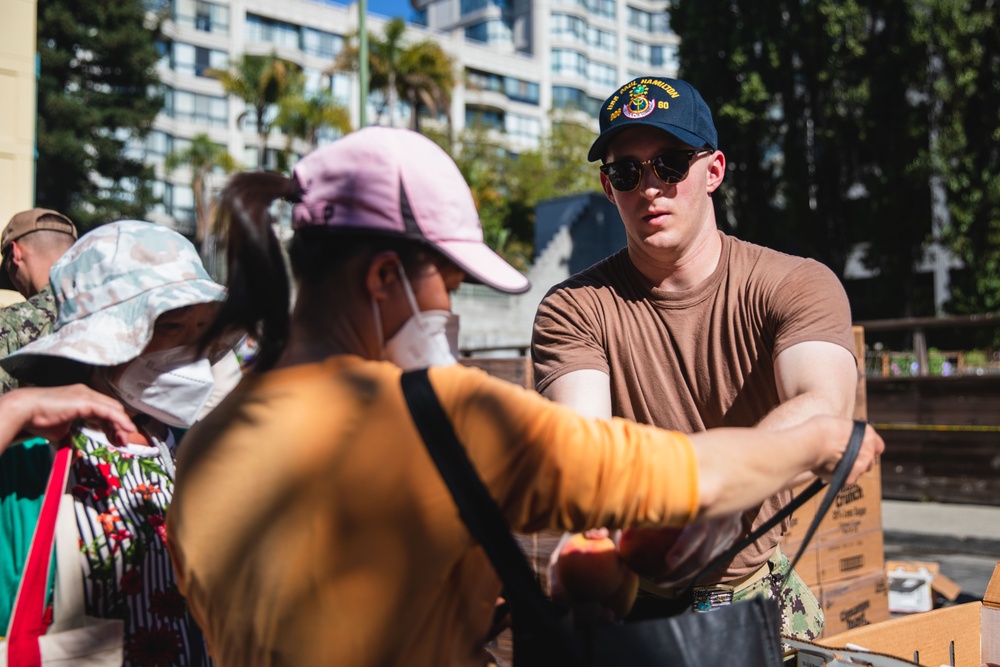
(966, 428)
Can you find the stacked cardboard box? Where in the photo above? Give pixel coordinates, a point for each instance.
(844, 563)
(964, 635)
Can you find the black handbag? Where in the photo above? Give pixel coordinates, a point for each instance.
(746, 633)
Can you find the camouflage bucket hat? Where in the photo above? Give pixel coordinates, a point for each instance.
(110, 287)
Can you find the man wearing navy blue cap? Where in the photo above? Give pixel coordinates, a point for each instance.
(689, 328)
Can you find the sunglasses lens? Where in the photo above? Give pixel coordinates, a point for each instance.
(672, 167)
(624, 175)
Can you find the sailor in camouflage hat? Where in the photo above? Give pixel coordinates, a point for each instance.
(111, 287)
(133, 300)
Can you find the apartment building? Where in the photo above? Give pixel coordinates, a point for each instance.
(516, 60)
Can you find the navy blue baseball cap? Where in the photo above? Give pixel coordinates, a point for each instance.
(671, 105)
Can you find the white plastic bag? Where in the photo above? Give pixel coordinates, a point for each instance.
(695, 547)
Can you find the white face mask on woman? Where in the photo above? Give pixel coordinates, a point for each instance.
(427, 338)
(169, 385)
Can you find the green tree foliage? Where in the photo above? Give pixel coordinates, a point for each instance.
(507, 187)
(965, 47)
(303, 116)
(261, 82)
(420, 73)
(202, 156)
(822, 113)
(97, 74)
(426, 80)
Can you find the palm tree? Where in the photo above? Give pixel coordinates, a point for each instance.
(426, 77)
(302, 116)
(261, 82)
(202, 157)
(420, 73)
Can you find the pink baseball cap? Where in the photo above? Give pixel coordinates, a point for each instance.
(396, 181)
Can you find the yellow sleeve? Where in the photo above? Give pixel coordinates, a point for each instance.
(550, 468)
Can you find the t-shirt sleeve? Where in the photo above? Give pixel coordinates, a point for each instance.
(810, 304)
(550, 468)
(566, 336)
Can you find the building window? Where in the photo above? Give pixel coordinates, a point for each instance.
(599, 8)
(521, 91)
(195, 60)
(515, 89)
(564, 97)
(176, 201)
(488, 118)
(484, 80)
(274, 159)
(652, 22)
(523, 127)
(639, 53)
(470, 6)
(158, 145)
(604, 75)
(495, 31)
(201, 15)
(567, 26)
(602, 40)
(669, 57)
(605, 8)
(321, 44)
(197, 109)
(278, 33)
(661, 57)
(569, 63)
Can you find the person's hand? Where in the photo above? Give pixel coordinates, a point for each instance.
(672, 557)
(51, 413)
(836, 434)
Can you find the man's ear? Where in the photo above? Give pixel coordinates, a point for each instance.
(382, 273)
(609, 191)
(16, 252)
(716, 171)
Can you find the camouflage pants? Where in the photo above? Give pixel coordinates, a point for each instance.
(801, 614)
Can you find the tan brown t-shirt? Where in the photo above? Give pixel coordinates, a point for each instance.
(696, 359)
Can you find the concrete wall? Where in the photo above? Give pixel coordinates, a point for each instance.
(17, 113)
(571, 234)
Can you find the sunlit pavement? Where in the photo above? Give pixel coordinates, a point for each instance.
(963, 539)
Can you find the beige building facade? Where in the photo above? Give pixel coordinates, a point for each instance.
(17, 113)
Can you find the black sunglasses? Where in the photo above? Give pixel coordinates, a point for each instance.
(670, 167)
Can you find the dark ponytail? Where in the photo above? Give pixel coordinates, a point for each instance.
(259, 290)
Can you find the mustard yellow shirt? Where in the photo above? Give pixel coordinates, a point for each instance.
(309, 525)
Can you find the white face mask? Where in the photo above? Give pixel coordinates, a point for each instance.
(169, 385)
(427, 338)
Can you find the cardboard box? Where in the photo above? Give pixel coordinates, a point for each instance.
(851, 557)
(807, 567)
(965, 635)
(840, 560)
(855, 602)
(856, 510)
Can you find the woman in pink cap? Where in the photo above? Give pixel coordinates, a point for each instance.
(309, 524)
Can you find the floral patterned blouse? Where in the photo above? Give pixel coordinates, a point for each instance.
(121, 499)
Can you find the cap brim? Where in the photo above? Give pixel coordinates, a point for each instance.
(484, 265)
(110, 336)
(600, 147)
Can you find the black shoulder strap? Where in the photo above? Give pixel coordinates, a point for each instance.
(840, 475)
(483, 516)
(487, 524)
